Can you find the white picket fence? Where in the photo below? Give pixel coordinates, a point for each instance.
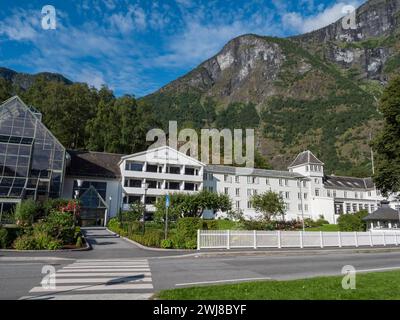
(230, 239)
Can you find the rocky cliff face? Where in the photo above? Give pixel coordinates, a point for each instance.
(314, 91)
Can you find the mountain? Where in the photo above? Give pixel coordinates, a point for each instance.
(314, 91)
(24, 80)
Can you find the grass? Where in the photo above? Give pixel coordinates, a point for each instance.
(369, 286)
(325, 227)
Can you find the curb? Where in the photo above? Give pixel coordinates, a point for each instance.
(141, 246)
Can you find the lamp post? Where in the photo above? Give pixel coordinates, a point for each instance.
(107, 213)
(301, 202)
(145, 187)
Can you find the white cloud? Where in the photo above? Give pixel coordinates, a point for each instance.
(20, 25)
(302, 24)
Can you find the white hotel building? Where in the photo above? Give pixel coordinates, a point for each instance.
(306, 190)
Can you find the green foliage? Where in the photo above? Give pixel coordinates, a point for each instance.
(387, 142)
(25, 242)
(186, 231)
(192, 205)
(270, 204)
(60, 226)
(26, 212)
(167, 244)
(3, 238)
(238, 116)
(352, 222)
(79, 242)
(135, 212)
(151, 238)
(53, 204)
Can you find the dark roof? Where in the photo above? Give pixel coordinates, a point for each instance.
(251, 172)
(383, 213)
(348, 182)
(93, 164)
(305, 157)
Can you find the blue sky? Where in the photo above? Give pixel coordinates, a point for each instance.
(137, 46)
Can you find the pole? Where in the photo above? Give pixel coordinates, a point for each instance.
(301, 202)
(166, 223)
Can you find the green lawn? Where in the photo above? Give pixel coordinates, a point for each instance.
(378, 285)
(325, 227)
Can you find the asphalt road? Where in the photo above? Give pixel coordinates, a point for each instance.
(20, 272)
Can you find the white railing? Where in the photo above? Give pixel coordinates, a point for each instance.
(230, 239)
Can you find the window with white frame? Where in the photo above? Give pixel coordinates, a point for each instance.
(237, 192)
(299, 206)
(299, 195)
(237, 204)
(237, 179)
(286, 182)
(287, 195)
(317, 192)
(266, 181)
(328, 193)
(249, 205)
(249, 192)
(306, 207)
(281, 182)
(226, 190)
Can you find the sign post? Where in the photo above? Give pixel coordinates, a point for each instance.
(167, 200)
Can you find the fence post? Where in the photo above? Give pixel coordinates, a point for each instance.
(395, 238)
(384, 239)
(198, 239)
(340, 239)
(321, 239)
(370, 238)
(356, 239)
(279, 239)
(301, 239)
(255, 239)
(228, 239)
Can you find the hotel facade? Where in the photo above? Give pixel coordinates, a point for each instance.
(34, 164)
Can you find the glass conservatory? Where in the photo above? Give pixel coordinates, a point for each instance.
(31, 158)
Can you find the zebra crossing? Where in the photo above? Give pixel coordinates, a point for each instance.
(97, 280)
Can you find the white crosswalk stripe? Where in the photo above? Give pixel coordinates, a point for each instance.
(99, 280)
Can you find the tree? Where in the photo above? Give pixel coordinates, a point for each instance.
(136, 212)
(353, 222)
(193, 205)
(387, 143)
(270, 204)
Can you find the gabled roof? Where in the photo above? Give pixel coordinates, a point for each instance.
(167, 149)
(305, 157)
(252, 172)
(94, 164)
(383, 213)
(340, 182)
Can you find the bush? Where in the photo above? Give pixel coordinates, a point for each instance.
(26, 212)
(151, 238)
(186, 230)
(43, 241)
(25, 242)
(79, 242)
(353, 222)
(3, 238)
(191, 244)
(60, 226)
(167, 244)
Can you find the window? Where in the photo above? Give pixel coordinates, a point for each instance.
(334, 193)
(328, 193)
(266, 181)
(237, 179)
(227, 178)
(134, 166)
(174, 170)
(354, 206)
(237, 204)
(306, 207)
(299, 195)
(317, 192)
(131, 183)
(287, 206)
(369, 193)
(304, 184)
(286, 182)
(173, 185)
(361, 195)
(348, 208)
(281, 182)
(356, 195)
(299, 207)
(226, 190)
(305, 195)
(360, 206)
(281, 194)
(345, 194)
(190, 186)
(190, 171)
(298, 183)
(249, 192)
(152, 184)
(307, 168)
(249, 205)
(151, 168)
(237, 192)
(287, 195)
(372, 208)
(316, 181)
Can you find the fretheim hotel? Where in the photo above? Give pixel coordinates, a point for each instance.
(34, 164)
